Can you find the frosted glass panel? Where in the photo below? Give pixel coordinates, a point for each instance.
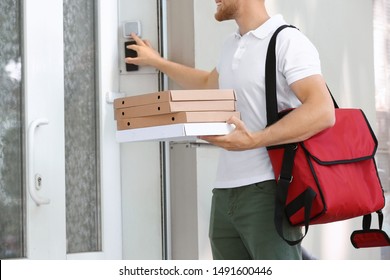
(11, 169)
(82, 183)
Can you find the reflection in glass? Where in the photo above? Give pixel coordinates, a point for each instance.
(81, 144)
(11, 141)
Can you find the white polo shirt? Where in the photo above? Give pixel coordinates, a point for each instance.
(242, 68)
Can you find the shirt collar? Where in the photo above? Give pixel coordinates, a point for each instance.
(266, 28)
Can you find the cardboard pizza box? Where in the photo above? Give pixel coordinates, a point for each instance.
(173, 96)
(173, 107)
(175, 118)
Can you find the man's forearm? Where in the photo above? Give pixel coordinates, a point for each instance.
(187, 77)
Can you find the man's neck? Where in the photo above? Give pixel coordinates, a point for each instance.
(251, 18)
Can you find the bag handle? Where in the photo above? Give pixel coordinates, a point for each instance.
(367, 237)
(305, 199)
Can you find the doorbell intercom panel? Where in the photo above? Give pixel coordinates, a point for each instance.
(126, 27)
(131, 27)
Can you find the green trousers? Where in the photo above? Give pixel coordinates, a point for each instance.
(242, 225)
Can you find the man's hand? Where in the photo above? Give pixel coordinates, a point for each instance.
(147, 56)
(239, 139)
(186, 77)
(314, 115)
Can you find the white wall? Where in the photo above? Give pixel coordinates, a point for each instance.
(343, 34)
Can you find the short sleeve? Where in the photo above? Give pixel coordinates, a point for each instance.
(297, 57)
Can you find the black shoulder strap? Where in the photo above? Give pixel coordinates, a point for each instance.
(270, 78)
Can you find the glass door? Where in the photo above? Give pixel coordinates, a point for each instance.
(56, 129)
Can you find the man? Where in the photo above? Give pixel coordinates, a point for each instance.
(241, 224)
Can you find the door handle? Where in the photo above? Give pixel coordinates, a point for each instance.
(30, 163)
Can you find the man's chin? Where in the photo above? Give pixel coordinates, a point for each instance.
(221, 18)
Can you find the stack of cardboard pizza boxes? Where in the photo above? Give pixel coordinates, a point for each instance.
(174, 107)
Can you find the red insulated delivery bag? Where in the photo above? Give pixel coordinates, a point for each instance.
(329, 177)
